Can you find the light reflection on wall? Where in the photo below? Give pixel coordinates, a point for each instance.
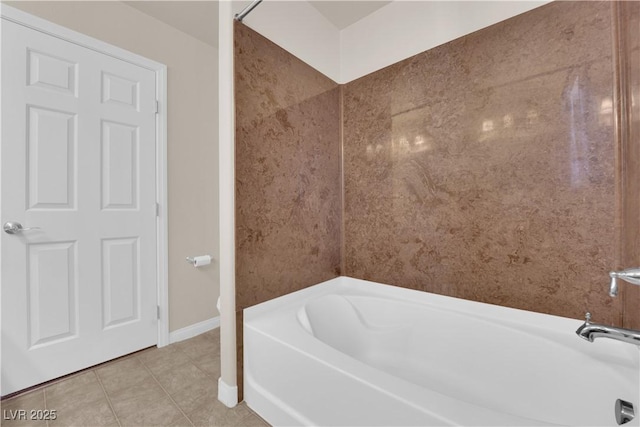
(373, 150)
(490, 127)
(408, 137)
(406, 145)
(579, 144)
(606, 112)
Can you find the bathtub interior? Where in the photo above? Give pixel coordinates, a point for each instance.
(524, 370)
(450, 361)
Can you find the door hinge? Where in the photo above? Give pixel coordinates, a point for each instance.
(157, 209)
(157, 107)
(158, 312)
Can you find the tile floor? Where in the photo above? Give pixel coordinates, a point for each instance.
(176, 385)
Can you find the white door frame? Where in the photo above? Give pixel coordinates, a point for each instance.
(19, 17)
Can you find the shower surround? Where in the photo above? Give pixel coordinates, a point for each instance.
(493, 168)
(485, 168)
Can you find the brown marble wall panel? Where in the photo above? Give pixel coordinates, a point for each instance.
(288, 175)
(627, 62)
(485, 168)
(288, 194)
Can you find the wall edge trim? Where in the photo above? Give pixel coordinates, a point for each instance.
(194, 330)
(227, 394)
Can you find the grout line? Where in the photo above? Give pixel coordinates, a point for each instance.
(343, 246)
(252, 413)
(167, 393)
(104, 390)
(192, 360)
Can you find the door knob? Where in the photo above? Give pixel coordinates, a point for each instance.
(16, 227)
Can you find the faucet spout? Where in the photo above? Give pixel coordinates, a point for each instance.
(590, 331)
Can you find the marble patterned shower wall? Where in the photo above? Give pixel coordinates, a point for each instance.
(485, 168)
(288, 172)
(288, 175)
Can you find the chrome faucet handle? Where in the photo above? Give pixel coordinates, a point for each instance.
(587, 317)
(613, 287)
(630, 275)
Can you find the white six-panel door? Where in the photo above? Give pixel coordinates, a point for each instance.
(77, 161)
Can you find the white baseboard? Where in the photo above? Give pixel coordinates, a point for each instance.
(226, 394)
(193, 330)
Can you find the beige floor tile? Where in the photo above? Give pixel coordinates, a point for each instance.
(122, 374)
(163, 359)
(204, 344)
(180, 422)
(79, 401)
(84, 387)
(213, 333)
(214, 413)
(31, 400)
(146, 404)
(252, 420)
(17, 411)
(180, 378)
(162, 414)
(98, 413)
(209, 364)
(201, 392)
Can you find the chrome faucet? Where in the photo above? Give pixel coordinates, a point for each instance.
(631, 275)
(590, 331)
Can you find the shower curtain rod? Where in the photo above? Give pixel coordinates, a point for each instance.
(240, 16)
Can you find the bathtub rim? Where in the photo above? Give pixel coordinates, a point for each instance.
(350, 285)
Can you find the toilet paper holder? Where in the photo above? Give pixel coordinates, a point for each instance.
(199, 261)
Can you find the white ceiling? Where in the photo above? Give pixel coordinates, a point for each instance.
(200, 18)
(344, 13)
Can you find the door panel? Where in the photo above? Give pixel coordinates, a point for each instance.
(51, 154)
(52, 73)
(119, 90)
(52, 293)
(77, 161)
(119, 166)
(120, 281)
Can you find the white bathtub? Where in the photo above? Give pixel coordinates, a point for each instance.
(349, 352)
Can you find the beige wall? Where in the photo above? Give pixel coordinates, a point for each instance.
(192, 138)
